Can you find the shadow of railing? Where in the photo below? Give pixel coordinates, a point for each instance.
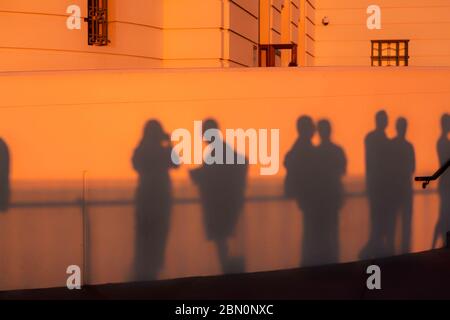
(178, 201)
(85, 204)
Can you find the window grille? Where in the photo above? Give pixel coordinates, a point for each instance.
(97, 22)
(390, 52)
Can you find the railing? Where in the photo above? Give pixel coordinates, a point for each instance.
(270, 51)
(426, 180)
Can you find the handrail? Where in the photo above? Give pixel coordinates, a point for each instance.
(427, 179)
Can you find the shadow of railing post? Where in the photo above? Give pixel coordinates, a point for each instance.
(85, 224)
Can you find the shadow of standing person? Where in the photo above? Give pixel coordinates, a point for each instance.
(404, 164)
(222, 192)
(331, 163)
(4, 176)
(300, 164)
(443, 149)
(152, 161)
(378, 174)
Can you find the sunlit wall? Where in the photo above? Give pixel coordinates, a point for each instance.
(91, 121)
(63, 127)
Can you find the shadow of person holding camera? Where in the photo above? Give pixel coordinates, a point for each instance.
(152, 161)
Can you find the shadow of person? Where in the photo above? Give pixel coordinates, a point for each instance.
(378, 187)
(331, 164)
(4, 176)
(152, 161)
(222, 192)
(443, 149)
(300, 164)
(404, 164)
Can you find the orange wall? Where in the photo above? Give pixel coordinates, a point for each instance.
(212, 33)
(143, 34)
(59, 124)
(279, 21)
(306, 38)
(35, 37)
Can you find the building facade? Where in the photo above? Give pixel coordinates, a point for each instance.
(54, 34)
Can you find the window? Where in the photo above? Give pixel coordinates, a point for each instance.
(97, 22)
(390, 52)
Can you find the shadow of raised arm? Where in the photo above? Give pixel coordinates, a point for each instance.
(426, 180)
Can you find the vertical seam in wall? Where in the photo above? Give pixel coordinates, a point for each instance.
(259, 23)
(270, 22)
(222, 23)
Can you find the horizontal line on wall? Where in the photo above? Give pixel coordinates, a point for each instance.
(206, 59)
(309, 19)
(81, 51)
(196, 28)
(83, 69)
(241, 35)
(36, 13)
(194, 59)
(243, 9)
(276, 31)
(120, 21)
(337, 57)
(385, 23)
(276, 9)
(310, 37)
(250, 98)
(382, 8)
(66, 16)
(234, 61)
(312, 6)
(368, 56)
(136, 24)
(215, 28)
(368, 40)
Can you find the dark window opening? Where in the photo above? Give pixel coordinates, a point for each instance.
(268, 53)
(97, 22)
(390, 53)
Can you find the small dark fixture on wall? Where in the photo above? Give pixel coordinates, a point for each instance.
(390, 53)
(97, 20)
